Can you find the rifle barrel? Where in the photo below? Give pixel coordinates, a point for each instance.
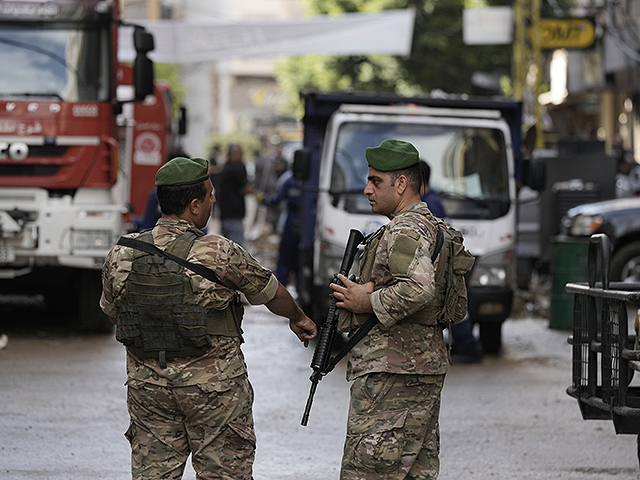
(312, 392)
(322, 353)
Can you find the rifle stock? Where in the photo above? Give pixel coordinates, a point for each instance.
(328, 330)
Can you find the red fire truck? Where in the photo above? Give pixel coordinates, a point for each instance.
(76, 160)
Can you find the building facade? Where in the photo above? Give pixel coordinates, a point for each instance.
(234, 95)
(603, 81)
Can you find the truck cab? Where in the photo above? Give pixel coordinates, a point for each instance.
(619, 219)
(471, 150)
(63, 197)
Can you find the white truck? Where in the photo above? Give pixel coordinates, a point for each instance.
(473, 147)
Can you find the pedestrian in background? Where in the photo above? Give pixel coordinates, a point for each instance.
(398, 369)
(427, 195)
(465, 347)
(215, 165)
(232, 187)
(187, 385)
(288, 251)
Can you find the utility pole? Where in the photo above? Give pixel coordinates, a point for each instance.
(518, 49)
(527, 53)
(153, 9)
(536, 47)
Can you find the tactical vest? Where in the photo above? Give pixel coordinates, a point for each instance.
(158, 316)
(451, 261)
(424, 316)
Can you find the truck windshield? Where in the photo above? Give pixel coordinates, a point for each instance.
(468, 165)
(64, 64)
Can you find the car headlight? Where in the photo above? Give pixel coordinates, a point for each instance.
(494, 270)
(584, 225)
(99, 240)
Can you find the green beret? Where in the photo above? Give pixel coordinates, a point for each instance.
(183, 171)
(392, 155)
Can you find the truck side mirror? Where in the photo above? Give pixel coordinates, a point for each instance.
(142, 40)
(182, 121)
(534, 173)
(302, 164)
(142, 66)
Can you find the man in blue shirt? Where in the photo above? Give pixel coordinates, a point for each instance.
(429, 196)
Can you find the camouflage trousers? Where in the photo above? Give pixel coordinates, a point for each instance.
(393, 431)
(213, 422)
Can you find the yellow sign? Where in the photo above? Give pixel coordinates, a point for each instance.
(566, 33)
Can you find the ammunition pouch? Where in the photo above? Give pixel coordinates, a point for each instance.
(158, 316)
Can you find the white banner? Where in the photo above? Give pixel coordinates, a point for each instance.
(487, 26)
(387, 32)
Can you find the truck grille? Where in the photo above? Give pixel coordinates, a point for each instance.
(28, 170)
(45, 151)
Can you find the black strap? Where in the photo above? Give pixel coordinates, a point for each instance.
(439, 243)
(353, 340)
(150, 248)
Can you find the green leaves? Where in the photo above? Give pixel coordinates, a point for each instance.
(438, 60)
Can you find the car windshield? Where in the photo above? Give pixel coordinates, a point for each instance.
(468, 165)
(65, 64)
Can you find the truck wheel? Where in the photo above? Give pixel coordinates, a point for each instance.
(625, 264)
(491, 336)
(90, 315)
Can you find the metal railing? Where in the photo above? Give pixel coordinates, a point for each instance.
(605, 356)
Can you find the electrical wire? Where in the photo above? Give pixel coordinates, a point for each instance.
(556, 8)
(626, 49)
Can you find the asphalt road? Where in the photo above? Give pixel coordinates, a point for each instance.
(63, 412)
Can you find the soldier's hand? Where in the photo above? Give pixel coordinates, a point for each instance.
(353, 296)
(304, 328)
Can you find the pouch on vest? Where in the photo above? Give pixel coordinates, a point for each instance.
(349, 321)
(452, 263)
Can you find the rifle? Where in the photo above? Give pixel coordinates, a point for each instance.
(321, 362)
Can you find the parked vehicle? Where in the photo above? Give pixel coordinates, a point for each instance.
(75, 158)
(578, 171)
(619, 219)
(473, 147)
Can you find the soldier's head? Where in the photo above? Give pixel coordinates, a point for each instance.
(394, 177)
(184, 190)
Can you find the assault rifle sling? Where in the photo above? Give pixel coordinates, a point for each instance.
(149, 248)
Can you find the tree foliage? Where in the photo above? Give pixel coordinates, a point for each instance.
(250, 143)
(169, 72)
(439, 58)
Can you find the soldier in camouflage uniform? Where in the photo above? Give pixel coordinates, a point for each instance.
(398, 369)
(198, 405)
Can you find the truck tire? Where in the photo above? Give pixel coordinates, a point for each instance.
(625, 263)
(90, 315)
(491, 336)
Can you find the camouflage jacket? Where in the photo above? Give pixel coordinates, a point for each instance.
(403, 278)
(233, 265)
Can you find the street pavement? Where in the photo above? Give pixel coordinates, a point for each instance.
(63, 411)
